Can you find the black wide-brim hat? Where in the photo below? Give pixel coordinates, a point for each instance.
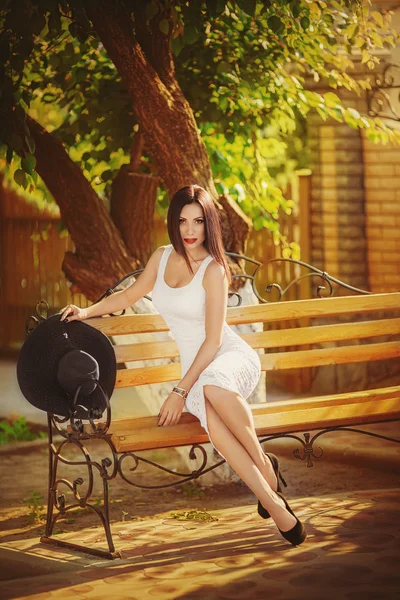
(39, 359)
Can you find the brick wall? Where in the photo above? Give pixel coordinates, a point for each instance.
(355, 226)
(338, 224)
(382, 207)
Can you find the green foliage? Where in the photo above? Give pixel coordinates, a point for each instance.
(35, 502)
(16, 431)
(259, 77)
(244, 66)
(254, 172)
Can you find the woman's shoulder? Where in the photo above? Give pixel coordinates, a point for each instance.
(160, 250)
(155, 258)
(214, 270)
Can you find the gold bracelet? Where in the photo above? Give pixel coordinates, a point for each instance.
(181, 392)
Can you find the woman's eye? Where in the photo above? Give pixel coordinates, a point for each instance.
(198, 222)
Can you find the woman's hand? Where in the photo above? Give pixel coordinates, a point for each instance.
(73, 313)
(171, 410)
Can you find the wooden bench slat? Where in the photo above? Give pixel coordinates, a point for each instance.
(271, 362)
(298, 419)
(127, 424)
(270, 339)
(330, 356)
(259, 313)
(146, 351)
(285, 416)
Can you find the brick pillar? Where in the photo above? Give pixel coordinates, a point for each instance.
(382, 187)
(338, 224)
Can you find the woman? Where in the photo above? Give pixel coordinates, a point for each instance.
(189, 281)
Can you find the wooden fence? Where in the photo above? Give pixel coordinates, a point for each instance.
(31, 255)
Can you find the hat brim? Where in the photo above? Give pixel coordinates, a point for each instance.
(39, 358)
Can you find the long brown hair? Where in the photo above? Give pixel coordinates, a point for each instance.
(213, 233)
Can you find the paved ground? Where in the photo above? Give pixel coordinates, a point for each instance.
(349, 503)
(352, 552)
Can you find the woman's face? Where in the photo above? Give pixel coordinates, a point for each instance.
(191, 224)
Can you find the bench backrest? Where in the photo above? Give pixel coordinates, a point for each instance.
(367, 323)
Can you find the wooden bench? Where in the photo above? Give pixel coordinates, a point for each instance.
(288, 348)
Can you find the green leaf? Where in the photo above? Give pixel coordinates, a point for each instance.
(248, 6)
(215, 7)
(20, 178)
(305, 23)
(360, 42)
(331, 99)
(378, 18)
(296, 10)
(275, 24)
(164, 26)
(28, 163)
(223, 67)
(107, 175)
(258, 223)
(376, 38)
(365, 56)
(151, 10)
(177, 44)
(9, 155)
(190, 34)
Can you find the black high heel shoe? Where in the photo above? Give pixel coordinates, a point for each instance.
(297, 534)
(275, 465)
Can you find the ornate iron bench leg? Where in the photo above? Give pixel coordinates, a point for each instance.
(56, 500)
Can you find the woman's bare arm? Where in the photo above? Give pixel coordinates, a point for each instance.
(119, 300)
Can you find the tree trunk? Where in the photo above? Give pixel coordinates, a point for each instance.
(100, 257)
(165, 116)
(133, 202)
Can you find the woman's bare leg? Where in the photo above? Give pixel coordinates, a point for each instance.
(236, 414)
(243, 464)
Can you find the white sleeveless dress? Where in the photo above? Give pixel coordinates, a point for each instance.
(236, 365)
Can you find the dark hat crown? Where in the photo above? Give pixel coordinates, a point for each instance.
(77, 369)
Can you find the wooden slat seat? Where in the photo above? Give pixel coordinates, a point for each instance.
(134, 434)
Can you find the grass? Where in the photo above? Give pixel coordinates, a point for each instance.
(35, 502)
(17, 430)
